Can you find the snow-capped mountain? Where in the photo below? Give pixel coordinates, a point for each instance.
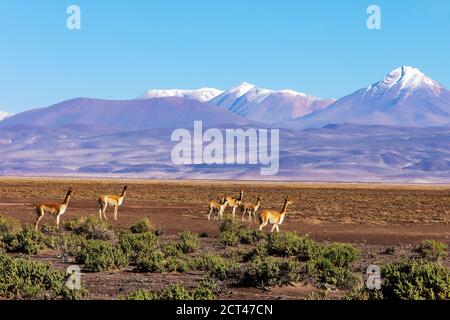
(4, 115)
(202, 95)
(268, 106)
(405, 97)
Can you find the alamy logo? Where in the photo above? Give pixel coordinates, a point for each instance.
(374, 277)
(237, 146)
(74, 20)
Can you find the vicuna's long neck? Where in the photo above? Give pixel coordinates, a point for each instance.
(241, 195)
(67, 199)
(258, 202)
(124, 192)
(283, 212)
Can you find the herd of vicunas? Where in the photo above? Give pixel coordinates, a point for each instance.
(216, 209)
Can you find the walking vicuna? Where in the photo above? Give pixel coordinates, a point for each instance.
(274, 217)
(54, 209)
(111, 200)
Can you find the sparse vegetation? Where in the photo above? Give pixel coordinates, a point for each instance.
(28, 241)
(98, 255)
(291, 244)
(174, 292)
(188, 242)
(142, 226)
(94, 228)
(432, 250)
(271, 271)
(28, 279)
(8, 226)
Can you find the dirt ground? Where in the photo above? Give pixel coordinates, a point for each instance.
(369, 216)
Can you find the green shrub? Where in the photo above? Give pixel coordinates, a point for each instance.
(415, 280)
(94, 228)
(290, 244)
(171, 250)
(324, 270)
(137, 244)
(157, 262)
(432, 250)
(142, 226)
(48, 229)
(140, 295)
(71, 225)
(27, 279)
(340, 254)
(8, 226)
(97, 255)
(247, 236)
(174, 292)
(188, 242)
(69, 244)
(228, 225)
(260, 251)
(229, 238)
(217, 267)
(153, 262)
(271, 271)
(28, 241)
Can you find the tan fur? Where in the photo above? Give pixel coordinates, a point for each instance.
(114, 201)
(250, 209)
(235, 202)
(276, 218)
(53, 209)
(216, 209)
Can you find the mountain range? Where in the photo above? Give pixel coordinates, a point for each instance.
(397, 129)
(4, 115)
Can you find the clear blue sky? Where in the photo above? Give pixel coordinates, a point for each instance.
(320, 47)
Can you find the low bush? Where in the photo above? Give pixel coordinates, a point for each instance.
(340, 254)
(229, 238)
(415, 280)
(158, 262)
(217, 267)
(432, 250)
(323, 270)
(137, 244)
(28, 241)
(97, 255)
(271, 271)
(174, 292)
(142, 226)
(94, 228)
(291, 244)
(188, 242)
(8, 226)
(27, 279)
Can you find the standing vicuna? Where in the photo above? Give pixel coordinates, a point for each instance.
(217, 209)
(274, 217)
(112, 200)
(54, 209)
(235, 202)
(250, 209)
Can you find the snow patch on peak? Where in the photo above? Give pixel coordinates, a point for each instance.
(4, 115)
(242, 89)
(202, 94)
(407, 77)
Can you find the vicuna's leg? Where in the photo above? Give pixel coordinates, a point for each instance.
(243, 214)
(262, 225)
(209, 213)
(105, 206)
(116, 208)
(273, 228)
(57, 222)
(278, 228)
(39, 216)
(100, 210)
(234, 212)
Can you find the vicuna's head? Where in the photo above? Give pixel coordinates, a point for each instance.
(125, 188)
(70, 191)
(288, 201)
